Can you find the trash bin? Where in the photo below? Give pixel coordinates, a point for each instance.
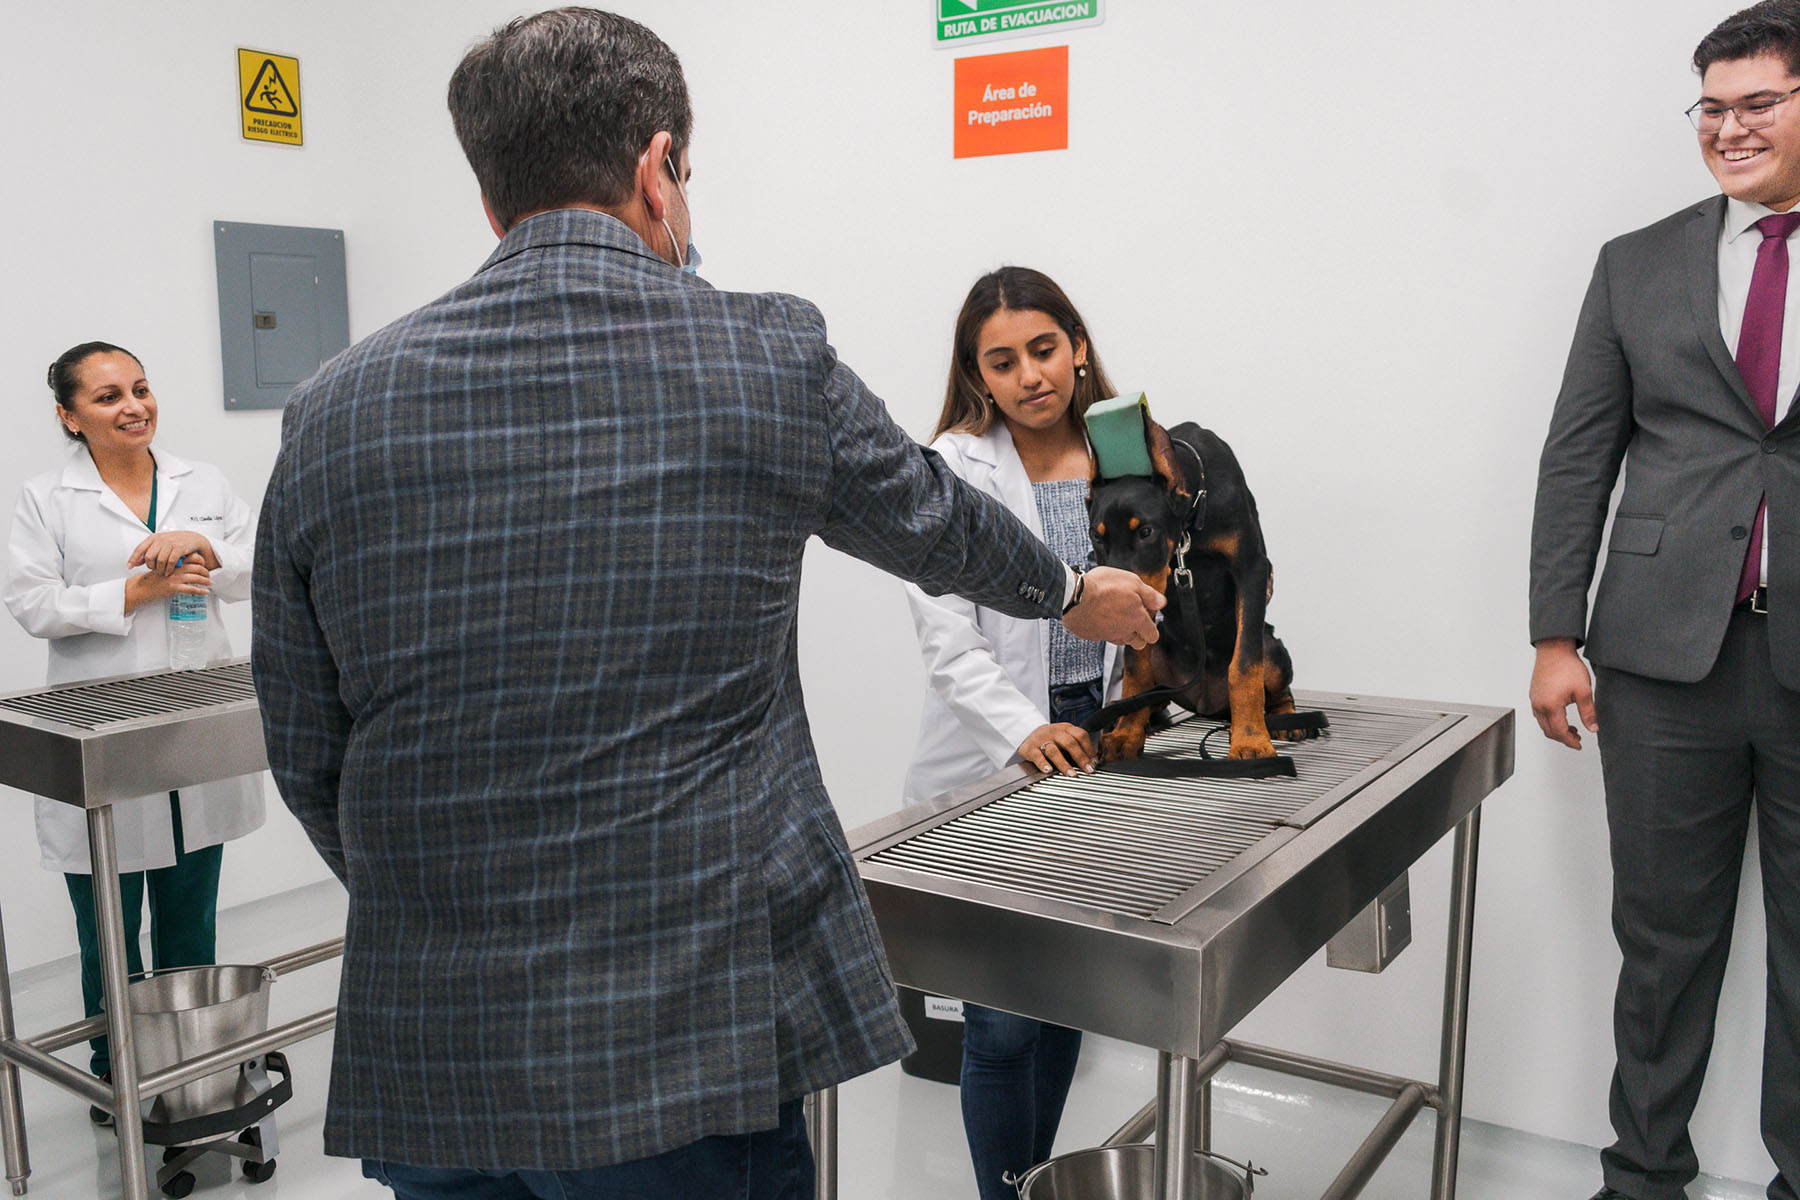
(1128, 1172)
(937, 1027)
(181, 1014)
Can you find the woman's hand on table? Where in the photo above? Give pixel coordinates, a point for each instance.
(163, 552)
(1061, 749)
(189, 578)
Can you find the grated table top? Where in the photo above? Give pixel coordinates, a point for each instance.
(94, 706)
(1132, 845)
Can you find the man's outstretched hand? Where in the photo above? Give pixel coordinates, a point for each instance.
(1116, 606)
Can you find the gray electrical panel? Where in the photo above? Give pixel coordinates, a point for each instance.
(283, 308)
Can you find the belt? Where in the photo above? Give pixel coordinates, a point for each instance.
(1755, 602)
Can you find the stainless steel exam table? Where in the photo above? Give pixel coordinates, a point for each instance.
(91, 745)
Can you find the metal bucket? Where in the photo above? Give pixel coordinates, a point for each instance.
(181, 1014)
(1127, 1172)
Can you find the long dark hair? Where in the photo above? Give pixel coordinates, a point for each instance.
(1020, 289)
(63, 381)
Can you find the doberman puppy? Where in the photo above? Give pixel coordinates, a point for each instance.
(1199, 505)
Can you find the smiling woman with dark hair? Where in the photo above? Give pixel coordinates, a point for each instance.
(99, 547)
(1023, 370)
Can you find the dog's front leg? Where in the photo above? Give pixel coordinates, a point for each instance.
(1249, 667)
(1126, 738)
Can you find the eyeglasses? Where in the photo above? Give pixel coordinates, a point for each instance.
(1751, 114)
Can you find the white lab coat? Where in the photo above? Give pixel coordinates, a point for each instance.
(988, 674)
(65, 582)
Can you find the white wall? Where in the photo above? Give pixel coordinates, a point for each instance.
(1350, 238)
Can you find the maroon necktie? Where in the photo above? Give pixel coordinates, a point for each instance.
(1759, 354)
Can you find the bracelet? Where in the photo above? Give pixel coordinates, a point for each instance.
(1080, 586)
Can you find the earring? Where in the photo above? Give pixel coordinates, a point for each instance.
(1081, 372)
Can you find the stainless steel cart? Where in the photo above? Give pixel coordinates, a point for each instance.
(1161, 912)
(91, 745)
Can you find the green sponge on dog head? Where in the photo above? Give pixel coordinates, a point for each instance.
(1119, 431)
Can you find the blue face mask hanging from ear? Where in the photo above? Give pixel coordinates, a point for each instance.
(690, 261)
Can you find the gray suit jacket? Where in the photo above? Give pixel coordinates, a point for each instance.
(1651, 383)
(525, 592)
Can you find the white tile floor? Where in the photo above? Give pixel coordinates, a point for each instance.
(900, 1137)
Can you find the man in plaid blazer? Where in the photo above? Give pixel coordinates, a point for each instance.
(526, 583)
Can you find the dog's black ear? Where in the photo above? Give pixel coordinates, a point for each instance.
(1162, 458)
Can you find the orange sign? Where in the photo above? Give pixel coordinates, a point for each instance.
(1012, 103)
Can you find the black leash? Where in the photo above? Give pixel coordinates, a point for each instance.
(1109, 714)
(1207, 765)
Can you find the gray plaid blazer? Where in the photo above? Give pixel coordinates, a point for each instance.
(525, 590)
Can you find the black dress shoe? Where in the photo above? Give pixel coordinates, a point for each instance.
(96, 1114)
(1607, 1193)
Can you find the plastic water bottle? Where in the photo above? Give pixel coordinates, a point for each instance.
(187, 631)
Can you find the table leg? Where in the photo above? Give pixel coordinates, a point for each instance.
(1459, 954)
(822, 1130)
(12, 1113)
(128, 1120)
(1176, 1094)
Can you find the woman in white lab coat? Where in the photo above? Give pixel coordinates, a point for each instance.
(97, 547)
(1005, 690)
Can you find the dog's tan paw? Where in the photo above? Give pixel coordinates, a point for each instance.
(1119, 745)
(1252, 745)
(1283, 706)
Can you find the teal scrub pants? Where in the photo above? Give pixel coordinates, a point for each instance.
(184, 909)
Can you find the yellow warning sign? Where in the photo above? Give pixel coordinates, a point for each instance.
(269, 97)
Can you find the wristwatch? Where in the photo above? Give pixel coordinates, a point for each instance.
(1072, 587)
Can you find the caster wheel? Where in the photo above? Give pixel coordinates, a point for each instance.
(180, 1185)
(171, 1153)
(253, 1171)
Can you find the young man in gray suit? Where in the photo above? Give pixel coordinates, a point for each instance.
(1680, 370)
(526, 583)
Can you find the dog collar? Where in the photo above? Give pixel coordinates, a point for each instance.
(1195, 517)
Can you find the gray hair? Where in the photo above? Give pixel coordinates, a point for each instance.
(554, 109)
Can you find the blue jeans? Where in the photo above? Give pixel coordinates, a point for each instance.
(1075, 702)
(772, 1164)
(1016, 1071)
(1015, 1078)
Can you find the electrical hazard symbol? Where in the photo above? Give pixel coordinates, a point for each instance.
(270, 93)
(269, 97)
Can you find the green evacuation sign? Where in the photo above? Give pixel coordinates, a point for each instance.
(961, 21)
